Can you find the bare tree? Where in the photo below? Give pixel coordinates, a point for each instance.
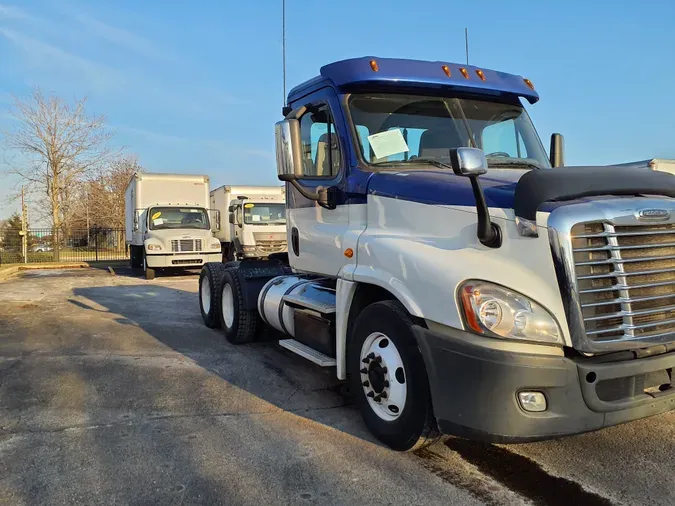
(101, 200)
(59, 146)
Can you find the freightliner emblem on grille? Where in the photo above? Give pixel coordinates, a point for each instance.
(653, 214)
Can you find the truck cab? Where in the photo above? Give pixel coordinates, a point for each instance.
(462, 280)
(258, 226)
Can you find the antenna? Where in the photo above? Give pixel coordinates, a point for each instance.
(283, 44)
(466, 43)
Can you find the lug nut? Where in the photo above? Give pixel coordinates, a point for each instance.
(370, 394)
(370, 355)
(365, 360)
(378, 359)
(386, 384)
(377, 398)
(366, 383)
(364, 371)
(383, 395)
(384, 370)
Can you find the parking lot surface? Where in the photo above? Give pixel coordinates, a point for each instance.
(113, 392)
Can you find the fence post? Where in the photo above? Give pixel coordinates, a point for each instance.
(96, 242)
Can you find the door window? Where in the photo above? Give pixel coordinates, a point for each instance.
(503, 139)
(320, 146)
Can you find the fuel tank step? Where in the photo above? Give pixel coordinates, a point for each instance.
(306, 352)
(300, 300)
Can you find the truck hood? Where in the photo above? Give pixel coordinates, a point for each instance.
(443, 187)
(524, 191)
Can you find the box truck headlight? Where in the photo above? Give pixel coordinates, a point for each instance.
(154, 247)
(495, 311)
(215, 245)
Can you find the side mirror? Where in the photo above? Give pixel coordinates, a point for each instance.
(469, 162)
(289, 149)
(231, 217)
(557, 152)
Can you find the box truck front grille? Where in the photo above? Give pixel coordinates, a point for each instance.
(270, 243)
(192, 261)
(625, 278)
(186, 245)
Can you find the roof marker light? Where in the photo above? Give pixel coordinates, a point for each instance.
(480, 74)
(464, 72)
(373, 65)
(529, 84)
(446, 69)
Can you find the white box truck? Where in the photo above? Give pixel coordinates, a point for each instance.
(168, 223)
(257, 220)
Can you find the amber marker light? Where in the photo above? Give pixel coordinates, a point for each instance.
(349, 252)
(480, 74)
(464, 72)
(373, 65)
(446, 69)
(529, 84)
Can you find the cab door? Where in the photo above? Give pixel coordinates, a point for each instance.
(316, 236)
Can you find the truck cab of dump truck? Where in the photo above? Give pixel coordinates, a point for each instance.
(459, 278)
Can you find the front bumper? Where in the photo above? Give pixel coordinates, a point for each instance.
(185, 260)
(474, 390)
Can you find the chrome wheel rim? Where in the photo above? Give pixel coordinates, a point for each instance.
(383, 376)
(227, 303)
(206, 294)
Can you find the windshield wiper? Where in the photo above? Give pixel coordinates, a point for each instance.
(511, 163)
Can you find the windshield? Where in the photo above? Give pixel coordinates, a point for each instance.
(162, 218)
(394, 129)
(264, 214)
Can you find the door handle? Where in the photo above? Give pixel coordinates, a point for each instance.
(295, 241)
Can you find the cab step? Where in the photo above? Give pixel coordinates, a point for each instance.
(306, 352)
(301, 301)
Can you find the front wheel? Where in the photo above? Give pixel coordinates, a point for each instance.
(149, 272)
(389, 379)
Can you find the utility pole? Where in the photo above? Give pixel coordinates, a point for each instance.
(283, 44)
(24, 232)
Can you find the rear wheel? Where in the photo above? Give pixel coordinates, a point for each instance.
(210, 286)
(239, 324)
(389, 379)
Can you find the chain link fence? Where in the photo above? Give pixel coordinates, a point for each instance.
(74, 245)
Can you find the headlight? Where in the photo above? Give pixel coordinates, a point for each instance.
(215, 245)
(154, 247)
(495, 311)
(249, 248)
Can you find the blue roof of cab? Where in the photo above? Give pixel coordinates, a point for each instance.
(417, 74)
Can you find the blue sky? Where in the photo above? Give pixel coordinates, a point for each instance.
(198, 89)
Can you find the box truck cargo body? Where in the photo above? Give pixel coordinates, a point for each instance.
(168, 223)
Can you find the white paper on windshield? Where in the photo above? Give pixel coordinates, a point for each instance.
(255, 217)
(158, 221)
(388, 143)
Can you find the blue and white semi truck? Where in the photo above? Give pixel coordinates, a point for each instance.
(460, 279)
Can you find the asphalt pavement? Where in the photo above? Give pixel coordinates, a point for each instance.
(112, 391)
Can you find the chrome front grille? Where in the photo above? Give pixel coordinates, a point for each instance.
(186, 245)
(625, 280)
(270, 242)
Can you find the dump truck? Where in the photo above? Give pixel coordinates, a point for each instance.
(458, 277)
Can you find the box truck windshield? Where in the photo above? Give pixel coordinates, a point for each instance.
(162, 218)
(264, 214)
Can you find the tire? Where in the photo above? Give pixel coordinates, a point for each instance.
(403, 418)
(239, 325)
(149, 272)
(210, 282)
